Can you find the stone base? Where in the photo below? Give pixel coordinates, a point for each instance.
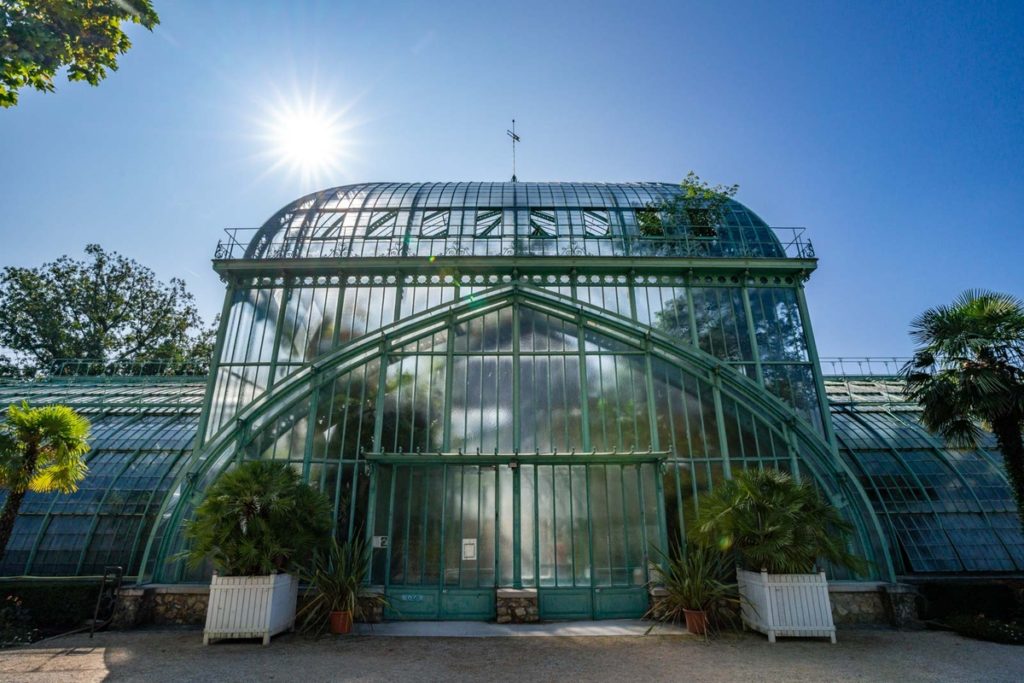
(517, 606)
(161, 605)
(853, 603)
(857, 603)
(871, 603)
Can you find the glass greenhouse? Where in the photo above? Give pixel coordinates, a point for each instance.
(520, 385)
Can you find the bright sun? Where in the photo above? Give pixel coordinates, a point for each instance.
(307, 138)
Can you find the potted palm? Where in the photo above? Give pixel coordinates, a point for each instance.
(257, 525)
(692, 584)
(778, 529)
(335, 580)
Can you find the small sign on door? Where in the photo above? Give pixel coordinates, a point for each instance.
(380, 541)
(469, 549)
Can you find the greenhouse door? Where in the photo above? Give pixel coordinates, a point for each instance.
(434, 541)
(595, 526)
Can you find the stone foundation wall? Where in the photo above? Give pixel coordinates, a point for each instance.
(161, 605)
(517, 606)
(853, 603)
(858, 603)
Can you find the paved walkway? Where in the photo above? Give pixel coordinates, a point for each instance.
(179, 656)
(482, 629)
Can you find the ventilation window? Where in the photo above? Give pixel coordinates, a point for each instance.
(486, 221)
(702, 222)
(650, 223)
(596, 223)
(542, 223)
(382, 223)
(435, 223)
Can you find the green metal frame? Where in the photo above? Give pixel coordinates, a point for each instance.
(816, 455)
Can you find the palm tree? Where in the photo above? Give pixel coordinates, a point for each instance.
(968, 372)
(41, 450)
(771, 521)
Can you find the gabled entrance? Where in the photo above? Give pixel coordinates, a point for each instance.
(449, 530)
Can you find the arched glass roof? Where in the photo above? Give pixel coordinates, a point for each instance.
(497, 219)
(946, 510)
(142, 434)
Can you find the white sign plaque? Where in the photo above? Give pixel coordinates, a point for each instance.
(469, 549)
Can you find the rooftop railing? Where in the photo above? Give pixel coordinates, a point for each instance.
(310, 243)
(868, 366)
(72, 368)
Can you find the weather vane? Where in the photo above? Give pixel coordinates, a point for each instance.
(515, 139)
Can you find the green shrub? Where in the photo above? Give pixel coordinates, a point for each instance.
(258, 519)
(771, 521)
(981, 627)
(15, 623)
(53, 607)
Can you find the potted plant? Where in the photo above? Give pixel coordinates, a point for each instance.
(335, 579)
(778, 529)
(258, 523)
(693, 584)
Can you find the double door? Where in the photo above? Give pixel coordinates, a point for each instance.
(446, 536)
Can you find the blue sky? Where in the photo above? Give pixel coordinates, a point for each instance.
(891, 131)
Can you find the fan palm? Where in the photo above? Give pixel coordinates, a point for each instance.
(41, 449)
(771, 521)
(258, 519)
(968, 371)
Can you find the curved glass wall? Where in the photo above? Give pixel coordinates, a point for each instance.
(502, 219)
(275, 326)
(141, 438)
(945, 509)
(515, 399)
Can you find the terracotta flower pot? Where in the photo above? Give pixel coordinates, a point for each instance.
(696, 621)
(341, 622)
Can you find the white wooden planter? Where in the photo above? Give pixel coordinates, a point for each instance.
(250, 606)
(786, 604)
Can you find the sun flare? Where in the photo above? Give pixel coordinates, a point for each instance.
(306, 137)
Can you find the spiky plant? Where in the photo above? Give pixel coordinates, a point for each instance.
(968, 371)
(771, 521)
(335, 578)
(258, 519)
(41, 449)
(694, 578)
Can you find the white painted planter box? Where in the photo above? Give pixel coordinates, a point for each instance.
(786, 604)
(250, 606)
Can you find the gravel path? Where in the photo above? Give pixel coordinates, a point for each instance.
(178, 655)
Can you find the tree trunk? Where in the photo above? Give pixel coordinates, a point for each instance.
(1008, 434)
(14, 497)
(7, 518)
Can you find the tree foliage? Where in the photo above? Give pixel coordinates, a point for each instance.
(108, 309)
(697, 211)
(968, 373)
(41, 449)
(771, 521)
(259, 519)
(40, 37)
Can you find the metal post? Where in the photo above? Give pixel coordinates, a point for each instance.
(748, 310)
(819, 382)
(211, 381)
